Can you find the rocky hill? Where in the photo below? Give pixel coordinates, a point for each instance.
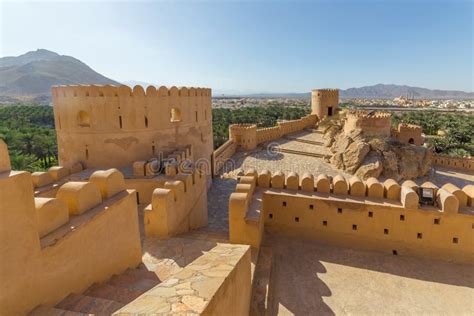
(31, 75)
(390, 91)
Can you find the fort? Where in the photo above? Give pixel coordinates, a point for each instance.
(142, 216)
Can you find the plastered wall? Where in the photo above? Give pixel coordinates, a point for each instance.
(106, 126)
(372, 215)
(43, 258)
(409, 134)
(466, 163)
(322, 99)
(377, 123)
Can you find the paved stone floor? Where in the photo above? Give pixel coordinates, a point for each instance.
(315, 279)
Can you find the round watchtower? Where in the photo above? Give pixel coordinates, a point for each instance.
(324, 102)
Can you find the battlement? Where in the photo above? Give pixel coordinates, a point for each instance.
(47, 241)
(371, 123)
(376, 215)
(368, 114)
(465, 163)
(107, 126)
(413, 127)
(81, 91)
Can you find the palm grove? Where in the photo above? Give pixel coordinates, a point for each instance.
(29, 131)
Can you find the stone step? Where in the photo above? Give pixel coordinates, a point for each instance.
(88, 304)
(261, 283)
(53, 311)
(114, 293)
(134, 281)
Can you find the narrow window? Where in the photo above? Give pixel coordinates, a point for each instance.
(270, 216)
(325, 223)
(138, 198)
(455, 240)
(297, 219)
(196, 116)
(437, 221)
(120, 121)
(87, 153)
(419, 235)
(153, 150)
(339, 210)
(371, 214)
(385, 231)
(354, 227)
(146, 121)
(394, 252)
(402, 217)
(205, 115)
(284, 203)
(311, 207)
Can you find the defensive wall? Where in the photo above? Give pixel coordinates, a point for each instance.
(466, 163)
(383, 216)
(324, 102)
(52, 247)
(108, 126)
(371, 123)
(248, 137)
(408, 134)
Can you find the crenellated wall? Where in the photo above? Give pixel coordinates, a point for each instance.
(370, 122)
(409, 134)
(466, 163)
(52, 247)
(248, 137)
(107, 126)
(384, 216)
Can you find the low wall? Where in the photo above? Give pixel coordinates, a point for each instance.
(217, 283)
(222, 154)
(466, 163)
(74, 251)
(178, 205)
(247, 137)
(373, 215)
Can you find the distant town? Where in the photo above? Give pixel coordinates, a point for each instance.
(400, 103)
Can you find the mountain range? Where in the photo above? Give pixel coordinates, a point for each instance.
(31, 75)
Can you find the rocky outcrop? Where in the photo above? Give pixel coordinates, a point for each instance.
(369, 156)
(371, 166)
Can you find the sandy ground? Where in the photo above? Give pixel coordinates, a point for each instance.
(316, 279)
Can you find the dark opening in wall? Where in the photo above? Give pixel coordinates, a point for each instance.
(284, 203)
(120, 121)
(402, 217)
(205, 115)
(325, 223)
(419, 235)
(411, 141)
(371, 214)
(385, 231)
(153, 150)
(354, 227)
(297, 219)
(394, 252)
(146, 121)
(339, 210)
(138, 198)
(437, 221)
(455, 240)
(196, 116)
(270, 216)
(311, 207)
(87, 152)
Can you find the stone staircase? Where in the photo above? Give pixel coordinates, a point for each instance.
(107, 297)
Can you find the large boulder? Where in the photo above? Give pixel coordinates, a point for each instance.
(341, 142)
(354, 155)
(371, 166)
(337, 160)
(390, 165)
(414, 161)
(330, 135)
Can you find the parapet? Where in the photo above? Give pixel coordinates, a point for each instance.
(68, 91)
(370, 122)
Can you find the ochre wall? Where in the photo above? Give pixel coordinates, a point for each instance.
(36, 271)
(407, 132)
(386, 215)
(322, 99)
(105, 126)
(454, 162)
(378, 124)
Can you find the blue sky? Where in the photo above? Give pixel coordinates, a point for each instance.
(254, 46)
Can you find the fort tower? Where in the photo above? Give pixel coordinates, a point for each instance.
(324, 102)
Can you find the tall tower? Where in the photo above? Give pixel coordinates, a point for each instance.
(324, 102)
